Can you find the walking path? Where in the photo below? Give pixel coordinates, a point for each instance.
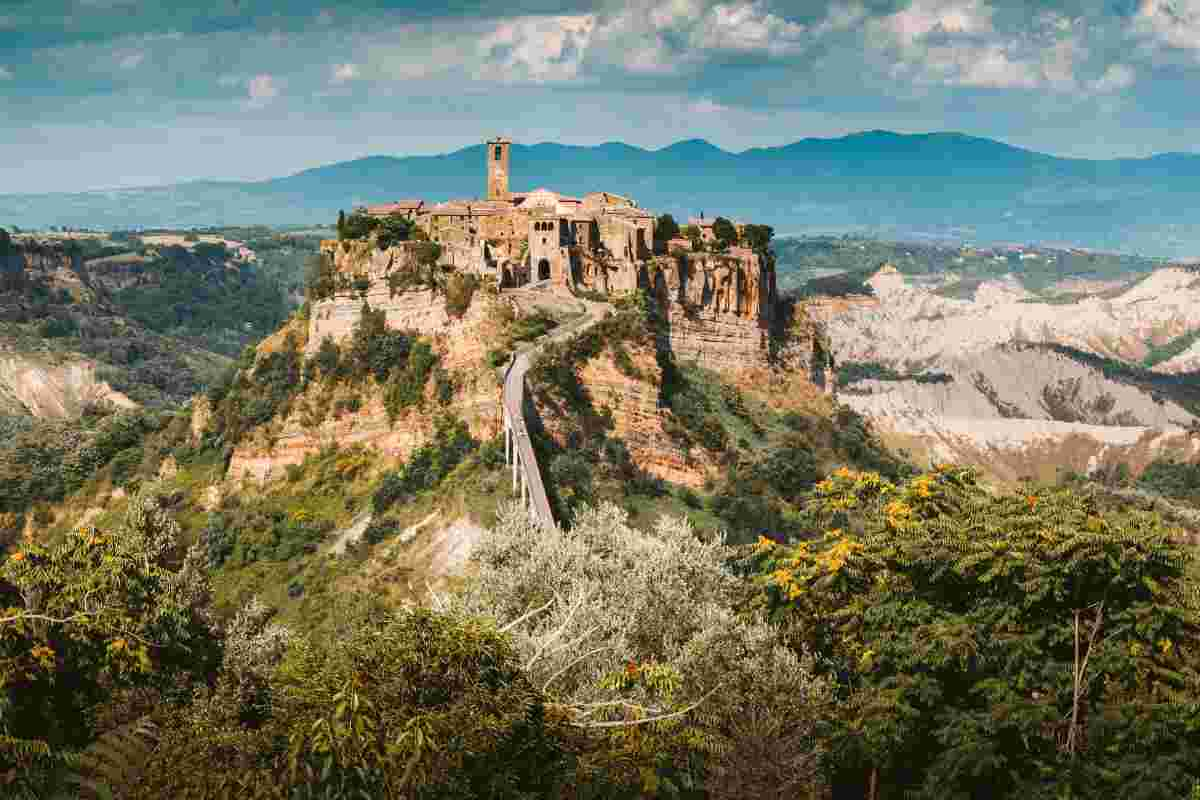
(518, 449)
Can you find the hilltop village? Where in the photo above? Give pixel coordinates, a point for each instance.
(601, 244)
(597, 241)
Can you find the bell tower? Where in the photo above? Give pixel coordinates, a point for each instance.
(497, 168)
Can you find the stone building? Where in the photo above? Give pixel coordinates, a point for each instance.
(601, 241)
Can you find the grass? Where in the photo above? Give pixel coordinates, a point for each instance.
(1165, 352)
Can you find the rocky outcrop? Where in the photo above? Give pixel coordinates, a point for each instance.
(636, 418)
(53, 390)
(314, 422)
(719, 307)
(422, 310)
(282, 442)
(1006, 402)
(911, 323)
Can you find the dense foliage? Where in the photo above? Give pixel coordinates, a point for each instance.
(1028, 645)
(193, 294)
(427, 466)
(621, 627)
(665, 229)
(44, 461)
(115, 618)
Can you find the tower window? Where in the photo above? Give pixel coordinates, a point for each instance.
(499, 151)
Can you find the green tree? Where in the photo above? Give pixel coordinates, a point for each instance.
(725, 233)
(392, 230)
(1012, 645)
(102, 612)
(341, 224)
(692, 232)
(359, 225)
(413, 703)
(665, 229)
(757, 237)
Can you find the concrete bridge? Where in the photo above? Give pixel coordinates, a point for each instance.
(518, 449)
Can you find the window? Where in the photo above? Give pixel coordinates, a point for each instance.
(499, 152)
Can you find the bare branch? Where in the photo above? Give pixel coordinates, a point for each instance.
(632, 722)
(560, 630)
(526, 616)
(551, 679)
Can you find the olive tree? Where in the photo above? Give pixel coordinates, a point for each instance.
(623, 629)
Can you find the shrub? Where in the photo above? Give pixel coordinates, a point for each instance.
(379, 530)
(125, 465)
(427, 466)
(392, 230)
(459, 291)
(58, 328)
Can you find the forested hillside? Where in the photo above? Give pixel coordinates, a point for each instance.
(819, 619)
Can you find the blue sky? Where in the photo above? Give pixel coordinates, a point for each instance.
(116, 93)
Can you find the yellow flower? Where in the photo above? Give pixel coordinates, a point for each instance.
(764, 544)
(17, 556)
(1165, 645)
(42, 653)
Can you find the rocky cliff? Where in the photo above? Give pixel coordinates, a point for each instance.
(32, 385)
(460, 343)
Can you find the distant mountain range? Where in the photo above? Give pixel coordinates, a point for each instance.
(937, 185)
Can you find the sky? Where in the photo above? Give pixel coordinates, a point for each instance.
(101, 94)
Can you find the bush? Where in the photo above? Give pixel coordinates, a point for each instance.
(125, 465)
(427, 466)
(379, 530)
(459, 291)
(58, 328)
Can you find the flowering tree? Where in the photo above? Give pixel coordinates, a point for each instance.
(1027, 645)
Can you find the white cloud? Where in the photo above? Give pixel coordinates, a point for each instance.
(748, 27)
(262, 90)
(132, 60)
(537, 49)
(1174, 23)
(707, 107)
(1114, 79)
(926, 17)
(957, 44)
(344, 72)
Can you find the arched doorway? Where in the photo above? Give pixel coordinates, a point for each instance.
(543, 273)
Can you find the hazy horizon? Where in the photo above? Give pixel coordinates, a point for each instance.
(120, 94)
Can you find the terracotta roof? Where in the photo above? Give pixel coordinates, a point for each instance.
(398, 206)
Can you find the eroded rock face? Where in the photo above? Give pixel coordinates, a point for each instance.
(313, 422)
(420, 310)
(272, 447)
(719, 308)
(637, 418)
(54, 391)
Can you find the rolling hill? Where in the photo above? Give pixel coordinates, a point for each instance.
(937, 185)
